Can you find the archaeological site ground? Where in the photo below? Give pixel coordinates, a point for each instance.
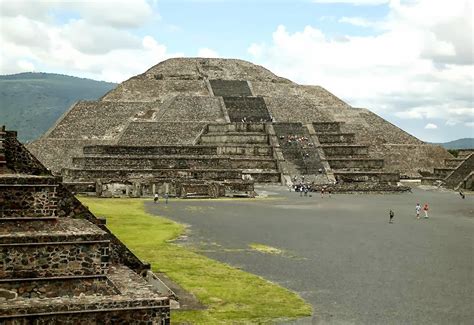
(228, 142)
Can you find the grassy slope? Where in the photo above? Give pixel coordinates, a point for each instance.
(232, 296)
(30, 103)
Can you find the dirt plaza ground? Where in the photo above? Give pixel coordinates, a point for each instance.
(342, 255)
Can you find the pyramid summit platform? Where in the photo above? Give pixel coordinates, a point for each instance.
(196, 126)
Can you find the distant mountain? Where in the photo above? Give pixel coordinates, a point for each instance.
(465, 143)
(30, 103)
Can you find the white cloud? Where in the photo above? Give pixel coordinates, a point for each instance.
(115, 13)
(415, 67)
(205, 52)
(356, 21)
(431, 126)
(95, 45)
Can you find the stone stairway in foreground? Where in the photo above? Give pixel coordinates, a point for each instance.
(350, 161)
(59, 264)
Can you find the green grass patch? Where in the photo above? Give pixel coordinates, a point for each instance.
(231, 295)
(266, 249)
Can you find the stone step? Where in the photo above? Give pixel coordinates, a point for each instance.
(355, 163)
(71, 247)
(339, 150)
(262, 176)
(234, 137)
(174, 162)
(453, 162)
(325, 138)
(442, 172)
(321, 127)
(236, 127)
(119, 175)
(120, 297)
(206, 149)
(366, 176)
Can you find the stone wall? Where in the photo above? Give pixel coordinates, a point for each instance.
(356, 163)
(97, 120)
(409, 159)
(365, 176)
(296, 109)
(236, 127)
(336, 138)
(58, 257)
(60, 287)
(180, 162)
(161, 133)
(139, 89)
(149, 150)
(319, 97)
(28, 201)
(20, 160)
(193, 108)
(210, 68)
(57, 153)
(345, 150)
(69, 206)
(100, 317)
(129, 175)
(372, 129)
(233, 138)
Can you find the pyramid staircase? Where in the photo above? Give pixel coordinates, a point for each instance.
(298, 149)
(58, 263)
(247, 148)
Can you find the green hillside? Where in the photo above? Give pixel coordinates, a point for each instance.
(30, 103)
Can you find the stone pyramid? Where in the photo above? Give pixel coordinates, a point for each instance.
(227, 120)
(59, 264)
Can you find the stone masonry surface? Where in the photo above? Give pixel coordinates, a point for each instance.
(59, 264)
(173, 102)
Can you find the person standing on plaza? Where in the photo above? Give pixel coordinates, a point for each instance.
(426, 208)
(391, 215)
(155, 199)
(166, 197)
(418, 209)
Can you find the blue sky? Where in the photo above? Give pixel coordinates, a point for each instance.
(409, 61)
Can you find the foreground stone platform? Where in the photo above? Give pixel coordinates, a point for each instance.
(59, 264)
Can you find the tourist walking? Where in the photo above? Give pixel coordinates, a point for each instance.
(322, 191)
(391, 215)
(155, 199)
(166, 198)
(418, 209)
(425, 209)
